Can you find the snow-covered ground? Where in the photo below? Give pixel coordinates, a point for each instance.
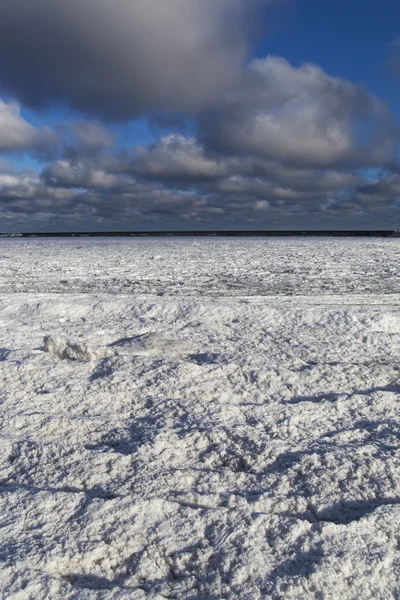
(200, 419)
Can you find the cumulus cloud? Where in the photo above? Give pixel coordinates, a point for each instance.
(120, 58)
(300, 116)
(183, 162)
(175, 157)
(69, 174)
(26, 185)
(29, 202)
(17, 135)
(102, 192)
(14, 185)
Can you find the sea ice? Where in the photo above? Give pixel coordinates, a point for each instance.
(192, 438)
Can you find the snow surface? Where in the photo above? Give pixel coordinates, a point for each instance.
(177, 423)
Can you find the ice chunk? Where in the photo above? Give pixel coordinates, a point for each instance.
(65, 349)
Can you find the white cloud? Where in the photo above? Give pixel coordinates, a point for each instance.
(17, 135)
(175, 156)
(65, 173)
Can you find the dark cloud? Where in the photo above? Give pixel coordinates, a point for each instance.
(193, 190)
(300, 117)
(72, 174)
(384, 189)
(120, 58)
(182, 161)
(87, 138)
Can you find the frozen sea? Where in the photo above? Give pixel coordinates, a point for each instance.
(200, 418)
(201, 267)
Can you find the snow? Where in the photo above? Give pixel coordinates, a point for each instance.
(218, 422)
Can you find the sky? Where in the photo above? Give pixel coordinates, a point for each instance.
(154, 115)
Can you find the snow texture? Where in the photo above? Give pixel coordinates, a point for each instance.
(222, 440)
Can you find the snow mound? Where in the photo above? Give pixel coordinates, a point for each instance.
(65, 349)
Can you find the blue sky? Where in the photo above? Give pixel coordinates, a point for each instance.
(347, 39)
(182, 129)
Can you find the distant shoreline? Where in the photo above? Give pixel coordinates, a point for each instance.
(393, 233)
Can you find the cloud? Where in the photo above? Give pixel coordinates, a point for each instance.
(26, 185)
(283, 146)
(69, 174)
(18, 186)
(121, 58)
(301, 117)
(28, 201)
(174, 157)
(306, 179)
(71, 140)
(263, 189)
(17, 135)
(90, 138)
(101, 192)
(377, 193)
(176, 160)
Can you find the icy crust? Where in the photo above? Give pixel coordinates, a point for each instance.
(205, 266)
(224, 449)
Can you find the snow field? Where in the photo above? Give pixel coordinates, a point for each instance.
(199, 447)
